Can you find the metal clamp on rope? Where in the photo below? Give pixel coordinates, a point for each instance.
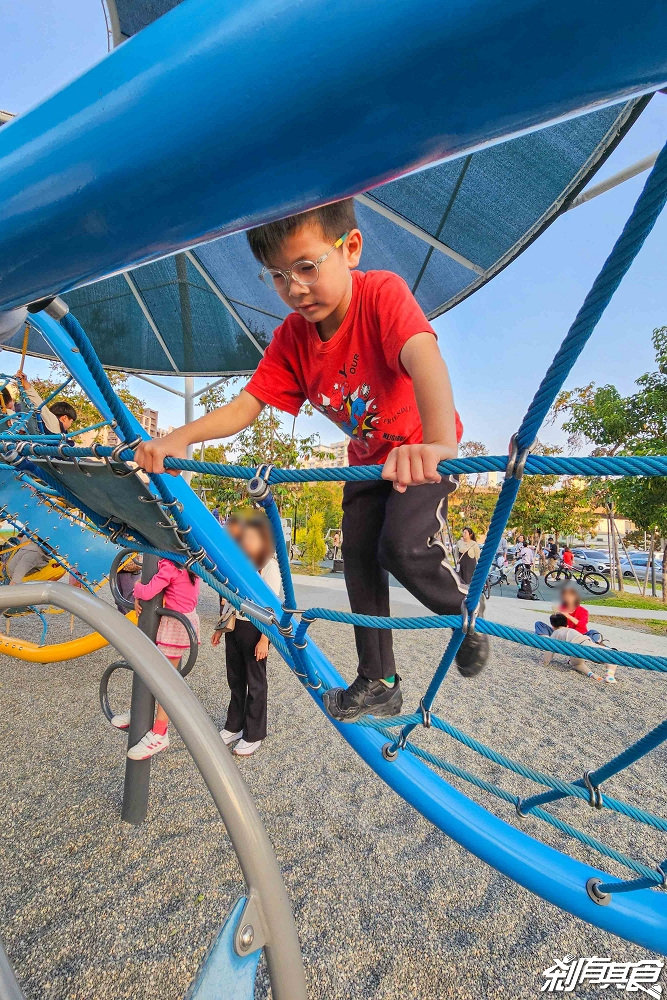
(52, 305)
(266, 616)
(468, 620)
(516, 462)
(194, 558)
(258, 486)
(426, 714)
(594, 793)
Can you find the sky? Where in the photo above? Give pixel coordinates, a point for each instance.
(499, 342)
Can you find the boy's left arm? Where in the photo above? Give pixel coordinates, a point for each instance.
(414, 464)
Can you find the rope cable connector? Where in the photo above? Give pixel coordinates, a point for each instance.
(389, 752)
(426, 714)
(594, 794)
(194, 558)
(516, 463)
(266, 616)
(468, 619)
(258, 486)
(601, 898)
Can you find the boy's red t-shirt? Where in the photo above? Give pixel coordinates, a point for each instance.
(568, 558)
(356, 379)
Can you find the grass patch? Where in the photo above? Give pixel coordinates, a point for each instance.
(650, 625)
(302, 570)
(616, 600)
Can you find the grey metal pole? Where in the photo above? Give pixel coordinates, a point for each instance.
(9, 987)
(230, 793)
(611, 182)
(142, 711)
(189, 414)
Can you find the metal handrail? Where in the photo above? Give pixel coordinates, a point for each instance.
(265, 888)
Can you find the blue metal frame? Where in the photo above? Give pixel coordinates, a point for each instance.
(639, 916)
(216, 118)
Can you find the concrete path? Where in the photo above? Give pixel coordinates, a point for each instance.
(329, 592)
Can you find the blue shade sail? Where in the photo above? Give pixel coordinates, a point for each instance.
(447, 230)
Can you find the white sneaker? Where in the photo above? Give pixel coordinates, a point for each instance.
(229, 737)
(245, 749)
(121, 721)
(148, 745)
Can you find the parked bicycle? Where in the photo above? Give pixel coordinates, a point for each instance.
(496, 578)
(524, 574)
(595, 583)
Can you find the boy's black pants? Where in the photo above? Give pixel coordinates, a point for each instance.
(387, 531)
(246, 676)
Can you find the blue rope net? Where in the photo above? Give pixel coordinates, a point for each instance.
(293, 642)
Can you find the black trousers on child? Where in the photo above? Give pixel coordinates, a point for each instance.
(246, 676)
(384, 532)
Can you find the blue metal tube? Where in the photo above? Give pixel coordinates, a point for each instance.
(219, 116)
(639, 916)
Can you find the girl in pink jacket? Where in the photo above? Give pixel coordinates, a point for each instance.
(181, 592)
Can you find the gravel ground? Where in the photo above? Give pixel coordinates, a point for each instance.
(387, 907)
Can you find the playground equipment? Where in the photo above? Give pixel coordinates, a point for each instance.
(71, 547)
(49, 245)
(262, 919)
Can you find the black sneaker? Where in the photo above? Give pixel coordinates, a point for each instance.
(473, 654)
(363, 697)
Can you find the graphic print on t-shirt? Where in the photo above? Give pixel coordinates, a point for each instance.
(354, 410)
(355, 378)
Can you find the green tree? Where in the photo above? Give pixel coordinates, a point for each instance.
(87, 413)
(314, 547)
(625, 425)
(264, 441)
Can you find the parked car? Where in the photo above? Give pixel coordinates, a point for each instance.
(591, 560)
(640, 561)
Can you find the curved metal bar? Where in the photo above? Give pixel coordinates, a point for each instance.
(185, 669)
(119, 559)
(214, 761)
(105, 704)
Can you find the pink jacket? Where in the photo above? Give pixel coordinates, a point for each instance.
(180, 594)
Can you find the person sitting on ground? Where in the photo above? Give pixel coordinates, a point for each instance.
(560, 630)
(246, 650)
(360, 349)
(181, 593)
(577, 616)
(468, 553)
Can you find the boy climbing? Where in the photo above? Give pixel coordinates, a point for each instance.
(359, 347)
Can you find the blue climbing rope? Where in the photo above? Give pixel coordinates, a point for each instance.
(17, 451)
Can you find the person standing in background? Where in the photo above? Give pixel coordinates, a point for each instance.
(468, 552)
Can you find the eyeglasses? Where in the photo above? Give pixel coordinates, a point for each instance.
(305, 272)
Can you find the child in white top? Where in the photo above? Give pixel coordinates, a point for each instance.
(246, 650)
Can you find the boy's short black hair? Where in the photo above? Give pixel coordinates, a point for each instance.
(63, 409)
(558, 620)
(7, 397)
(334, 220)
